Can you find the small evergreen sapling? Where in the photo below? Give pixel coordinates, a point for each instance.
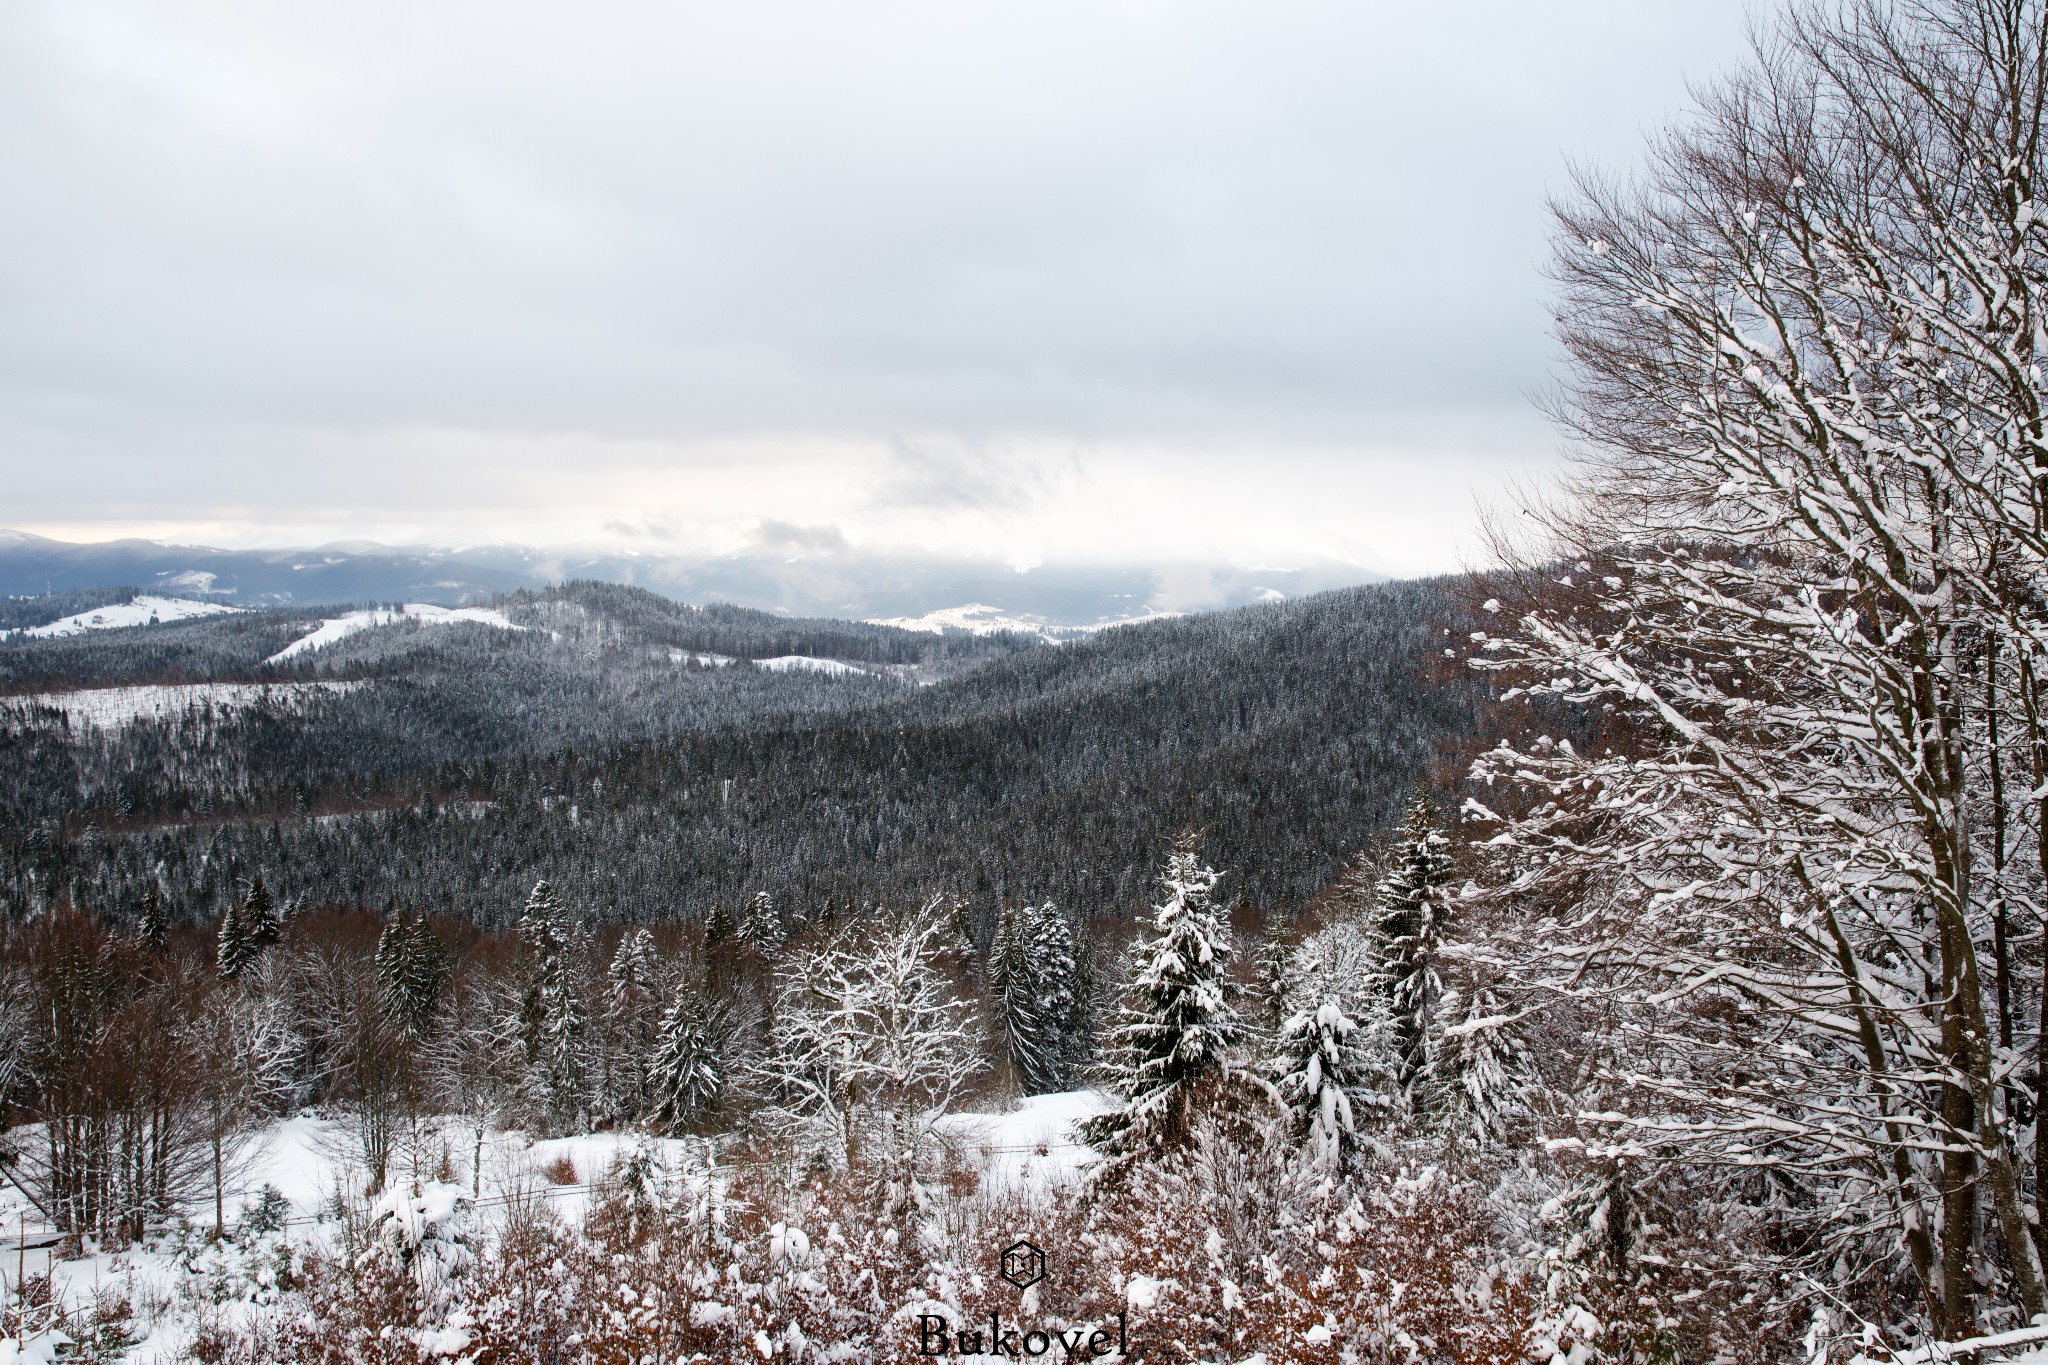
(1333, 1079)
(1479, 1069)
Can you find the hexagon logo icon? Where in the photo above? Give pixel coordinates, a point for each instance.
(1023, 1264)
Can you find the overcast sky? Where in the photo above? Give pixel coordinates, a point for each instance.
(1090, 281)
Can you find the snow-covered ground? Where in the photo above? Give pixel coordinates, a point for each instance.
(808, 663)
(684, 656)
(310, 1160)
(426, 613)
(177, 1278)
(109, 708)
(981, 619)
(142, 611)
(1032, 1146)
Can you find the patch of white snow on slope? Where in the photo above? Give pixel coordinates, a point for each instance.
(109, 708)
(141, 611)
(684, 656)
(979, 618)
(426, 613)
(807, 663)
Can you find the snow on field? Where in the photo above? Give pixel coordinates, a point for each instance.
(142, 611)
(808, 663)
(1033, 1145)
(426, 613)
(109, 708)
(310, 1160)
(684, 656)
(981, 619)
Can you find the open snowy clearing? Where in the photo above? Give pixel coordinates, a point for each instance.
(109, 708)
(312, 1163)
(142, 611)
(979, 618)
(425, 613)
(808, 663)
(1032, 1146)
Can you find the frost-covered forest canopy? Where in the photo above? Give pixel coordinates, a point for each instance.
(1633, 954)
(614, 748)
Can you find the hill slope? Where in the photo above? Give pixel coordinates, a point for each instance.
(476, 762)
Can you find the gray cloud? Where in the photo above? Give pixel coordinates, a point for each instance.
(417, 269)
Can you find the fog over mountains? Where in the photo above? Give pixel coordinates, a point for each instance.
(790, 570)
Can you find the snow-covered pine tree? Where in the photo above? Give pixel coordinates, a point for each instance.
(632, 974)
(389, 959)
(720, 926)
(412, 969)
(259, 915)
(1477, 1070)
(235, 951)
(427, 969)
(1411, 913)
(1176, 1024)
(686, 1072)
(762, 927)
(1274, 951)
(1055, 967)
(1031, 976)
(552, 1014)
(1333, 1079)
(153, 928)
(630, 1023)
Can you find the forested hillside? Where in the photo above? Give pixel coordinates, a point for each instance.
(611, 745)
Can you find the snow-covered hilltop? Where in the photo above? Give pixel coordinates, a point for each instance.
(145, 610)
(424, 613)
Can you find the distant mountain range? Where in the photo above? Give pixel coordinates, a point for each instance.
(798, 579)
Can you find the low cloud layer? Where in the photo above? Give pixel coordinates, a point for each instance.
(1098, 280)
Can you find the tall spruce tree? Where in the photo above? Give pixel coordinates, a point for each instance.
(686, 1073)
(1177, 1021)
(762, 928)
(1031, 973)
(259, 915)
(553, 1017)
(412, 969)
(630, 1022)
(1411, 919)
(153, 926)
(235, 950)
